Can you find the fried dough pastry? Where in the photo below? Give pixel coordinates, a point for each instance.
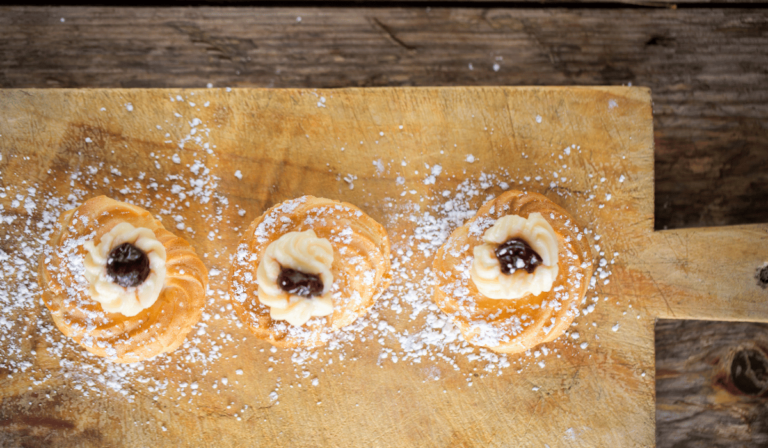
(306, 268)
(118, 283)
(530, 260)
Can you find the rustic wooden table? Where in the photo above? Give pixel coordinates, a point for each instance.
(704, 62)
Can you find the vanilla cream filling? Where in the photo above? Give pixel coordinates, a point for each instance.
(113, 297)
(486, 269)
(303, 252)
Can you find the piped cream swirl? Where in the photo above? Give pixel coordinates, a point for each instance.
(486, 269)
(113, 297)
(304, 252)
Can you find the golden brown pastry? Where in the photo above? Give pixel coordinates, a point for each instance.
(118, 283)
(306, 268)
(512, 276)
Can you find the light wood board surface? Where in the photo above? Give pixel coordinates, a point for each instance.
(287, 143)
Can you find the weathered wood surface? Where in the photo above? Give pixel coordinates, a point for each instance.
(698, 403)
(615, 402)
(440, 3)
(704, 273)
(601, 395)
(704, 67)
(434, 3)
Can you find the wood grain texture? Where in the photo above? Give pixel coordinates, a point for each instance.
(430, 3)
(598, 396)
(708, 273)
(704, 67)
(697, 404)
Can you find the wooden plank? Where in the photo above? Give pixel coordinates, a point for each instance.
(600, 394)
(440, 3)
(703, 398)
(434, 3)
(708, 273)
(704, 67)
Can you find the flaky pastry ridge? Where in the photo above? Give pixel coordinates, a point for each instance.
(158, 329)
(361, 267)
(513, 325)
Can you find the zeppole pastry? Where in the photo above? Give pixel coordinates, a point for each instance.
(512, 276)
(306, 268)
(118, 283)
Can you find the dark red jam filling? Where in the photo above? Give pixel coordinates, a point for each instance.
(127, 265)
(299, 283)
(514, 250)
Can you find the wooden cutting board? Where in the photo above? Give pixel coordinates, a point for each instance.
(286, 143)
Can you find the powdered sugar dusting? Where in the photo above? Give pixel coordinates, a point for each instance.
(404, 327)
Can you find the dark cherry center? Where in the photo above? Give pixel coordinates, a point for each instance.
(128, 265)
(299, 283)
(514, 251)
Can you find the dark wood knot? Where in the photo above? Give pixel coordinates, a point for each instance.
(762, 276)
(749, 372)
(662, 41)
